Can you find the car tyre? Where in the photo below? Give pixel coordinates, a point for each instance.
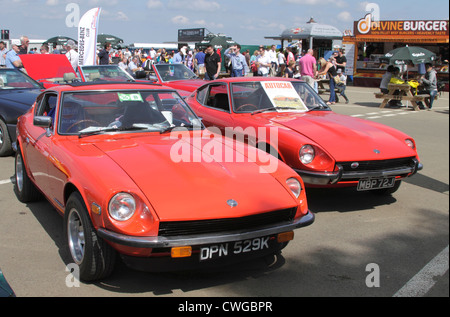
(94, 257)
(5, 140)
(24, 188)
(388, 191)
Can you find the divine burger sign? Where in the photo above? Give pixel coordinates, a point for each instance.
(414, 28)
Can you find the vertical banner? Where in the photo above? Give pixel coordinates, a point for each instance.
(87, 37)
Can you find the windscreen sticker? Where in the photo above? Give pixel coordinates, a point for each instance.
(136, 96)
(282, 94)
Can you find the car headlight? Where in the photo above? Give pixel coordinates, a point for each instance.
(410, 143)
(307, 154)
(294, 186)
(122, 207)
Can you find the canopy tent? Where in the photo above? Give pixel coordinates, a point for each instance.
(311, 30)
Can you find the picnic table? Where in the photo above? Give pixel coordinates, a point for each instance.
(403, 93)
(322, 89)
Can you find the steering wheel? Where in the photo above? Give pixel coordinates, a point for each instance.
(247, 105)
(80, 122)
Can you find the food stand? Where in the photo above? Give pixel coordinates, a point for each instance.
(372, 39)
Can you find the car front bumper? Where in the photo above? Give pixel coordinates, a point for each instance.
(332, 178)
(203, 239)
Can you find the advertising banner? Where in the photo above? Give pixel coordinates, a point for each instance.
(87, 37)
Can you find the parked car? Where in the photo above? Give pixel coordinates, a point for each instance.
(107, 157)
(5, 288)
(17, 93)
(176, 76)
(327, 149)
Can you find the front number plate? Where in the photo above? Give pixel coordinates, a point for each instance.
(238, 247)
(376, 183)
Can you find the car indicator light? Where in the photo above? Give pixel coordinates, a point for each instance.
(285, 236)
(181, 252)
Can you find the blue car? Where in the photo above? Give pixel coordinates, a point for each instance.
(18, 92)
(5, 289)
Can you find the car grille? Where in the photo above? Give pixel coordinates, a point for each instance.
(377, 165)
(176, 228)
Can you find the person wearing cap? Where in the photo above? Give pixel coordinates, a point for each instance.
(12, 59)
(71, 54)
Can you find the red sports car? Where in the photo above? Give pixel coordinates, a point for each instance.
(134, 172)
(325, 148)
(176, 76)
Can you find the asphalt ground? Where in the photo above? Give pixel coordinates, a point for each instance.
(361, 244)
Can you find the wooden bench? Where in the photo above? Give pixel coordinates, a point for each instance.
(404, 94)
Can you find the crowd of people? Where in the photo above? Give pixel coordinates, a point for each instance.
(207, 62)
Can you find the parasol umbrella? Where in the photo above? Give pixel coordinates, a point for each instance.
(59, 40)
(114, 40)
(409, 54)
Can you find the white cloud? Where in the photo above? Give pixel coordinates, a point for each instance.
(338, 3)
(51, 2)
(197, 5)
(154, 4)
(345, 16)
(179, 19)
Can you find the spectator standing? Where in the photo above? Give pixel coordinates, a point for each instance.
(281, 63)
(264, 64)
(3, 52)
(44, 49)
(308, 68)
(238, 61)
(123, 64)
(12, 59)
(290, 70)
(212, 64)
(200, 62)
(327, 67)
(254, 63)
(103, 56)
(272, 54)
(24, 42)
(72, 55)
(341, 61)
(429, 80)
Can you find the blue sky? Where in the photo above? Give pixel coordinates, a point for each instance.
(246, 21)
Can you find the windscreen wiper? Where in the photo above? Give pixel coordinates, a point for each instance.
(110, 129)
(273, 108)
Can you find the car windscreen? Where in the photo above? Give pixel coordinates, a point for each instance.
(14, 79)
(281, 96)
(105, 73)
(94, 112)
(173, 72)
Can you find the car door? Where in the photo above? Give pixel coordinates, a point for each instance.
(37, 141)
(215, 106)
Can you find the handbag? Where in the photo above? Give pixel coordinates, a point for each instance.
(337, 79)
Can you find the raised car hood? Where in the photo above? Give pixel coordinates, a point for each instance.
(43, 66)
(346, 138)
(185, 86)
(195, 190)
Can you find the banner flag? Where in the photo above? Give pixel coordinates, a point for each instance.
(87, 37)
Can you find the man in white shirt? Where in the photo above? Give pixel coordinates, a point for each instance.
(272, 53)
(264, 63)
(71, 54)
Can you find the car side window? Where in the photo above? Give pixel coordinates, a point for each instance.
(218, 97)
(47, 106)
(201, 95)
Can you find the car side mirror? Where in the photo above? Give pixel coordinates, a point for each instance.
(43, 121)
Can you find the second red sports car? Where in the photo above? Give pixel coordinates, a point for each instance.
(325, 148)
